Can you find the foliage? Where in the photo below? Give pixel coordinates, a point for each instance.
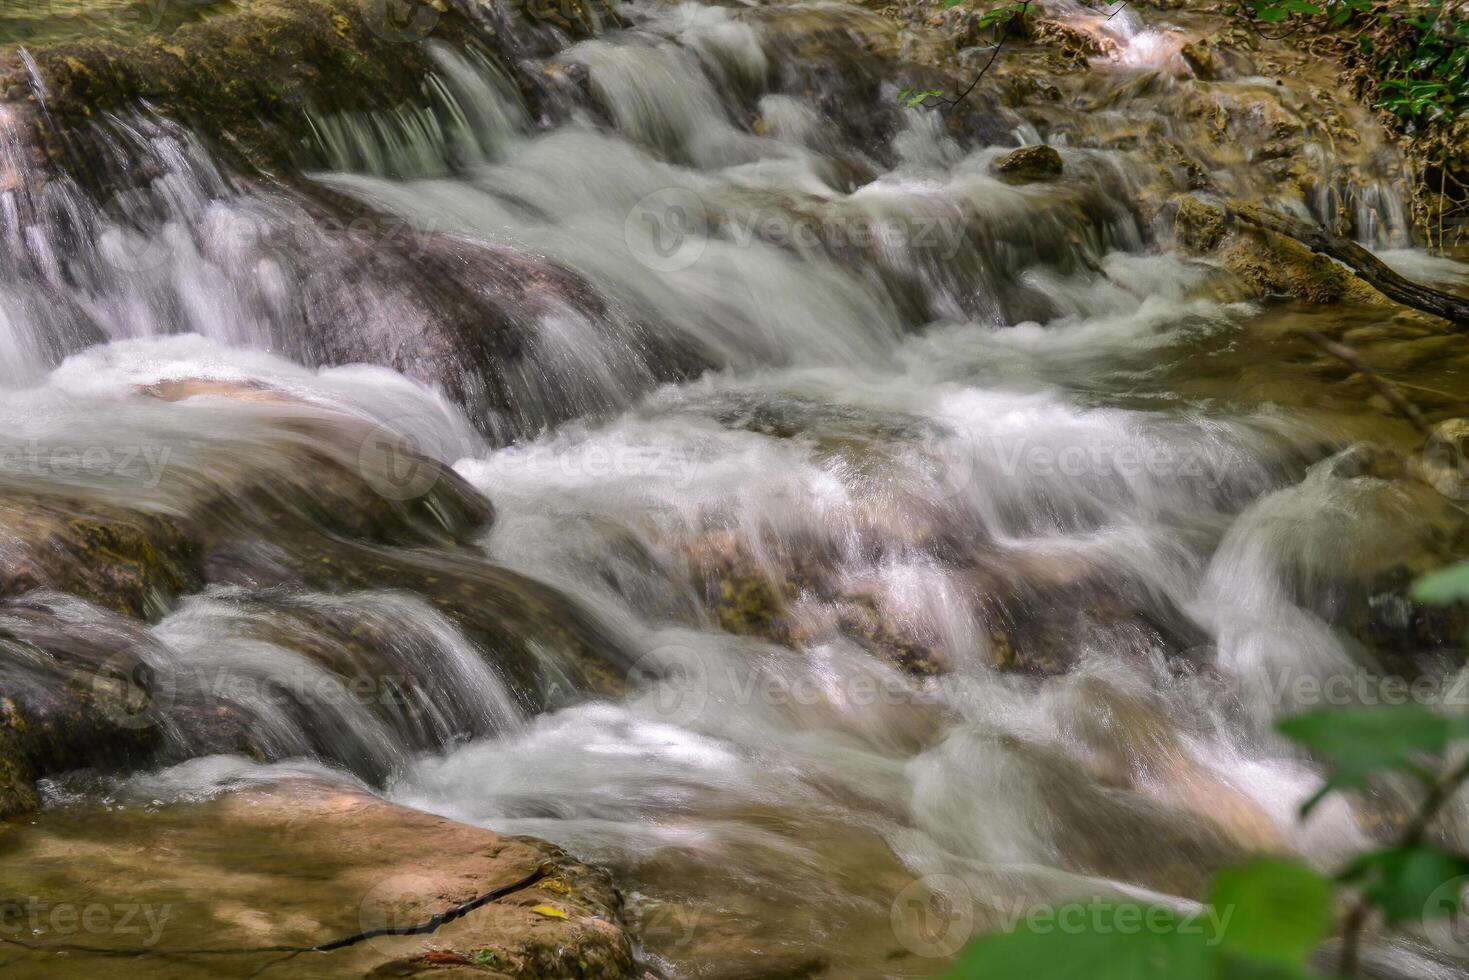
(912, 99)
(1418, 50)
(1265, 919)
(1001, 19)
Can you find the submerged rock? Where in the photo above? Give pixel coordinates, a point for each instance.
(306, 862)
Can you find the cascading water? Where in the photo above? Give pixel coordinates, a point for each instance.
(813, 442)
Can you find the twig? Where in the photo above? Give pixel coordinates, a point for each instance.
(1388, 390)
(1438, 796)
(999, 46)
(430, 925)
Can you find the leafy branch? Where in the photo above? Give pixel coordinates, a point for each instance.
(1004, 18)
(1418, 52)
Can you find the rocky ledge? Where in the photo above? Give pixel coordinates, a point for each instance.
(232, 886)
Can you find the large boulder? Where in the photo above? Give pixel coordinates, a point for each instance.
(299, 863)
(293, 502)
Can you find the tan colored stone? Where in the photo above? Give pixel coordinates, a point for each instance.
(300, 862)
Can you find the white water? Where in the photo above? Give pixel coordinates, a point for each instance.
(934, 399)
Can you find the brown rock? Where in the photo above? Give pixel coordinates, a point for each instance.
(1442, 463)
(1030, 163)
(300, 863)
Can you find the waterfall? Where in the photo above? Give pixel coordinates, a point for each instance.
(856, 513)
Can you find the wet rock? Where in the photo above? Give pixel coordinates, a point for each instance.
(1366, 460)
(801, 600)
(245, 77)
(306, 862)
(74, 693)
(1199, 56)
(472, 327)
(1163, 823)
(301, 504)
(1043, 616)
(1075, 46)
(1029, 164)
(1443, 462)
(846, 61)
(1270, 265)
(123, 559)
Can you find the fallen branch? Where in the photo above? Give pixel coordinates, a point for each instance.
(1368, 267)
(1390, 391)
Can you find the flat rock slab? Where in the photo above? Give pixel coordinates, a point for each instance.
(146, 891)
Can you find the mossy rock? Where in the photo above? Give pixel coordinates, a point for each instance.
(1268, 264)
(125, 560)
(74, 693)
(1030, 164)
(246, 77)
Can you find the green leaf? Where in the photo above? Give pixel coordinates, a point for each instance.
(918, 98)
(1444, 586)
(1401, 880)
(1274, 910)
(1232, 967)
(1002, 15)
(1117, 943)
(1361, 741)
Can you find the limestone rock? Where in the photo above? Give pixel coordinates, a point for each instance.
(1029, 164)
(1442, 463)
(1269, 265)
(305, 862)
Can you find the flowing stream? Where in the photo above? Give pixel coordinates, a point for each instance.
(958, 542)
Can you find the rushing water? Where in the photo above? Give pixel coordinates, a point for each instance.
(940, 420)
